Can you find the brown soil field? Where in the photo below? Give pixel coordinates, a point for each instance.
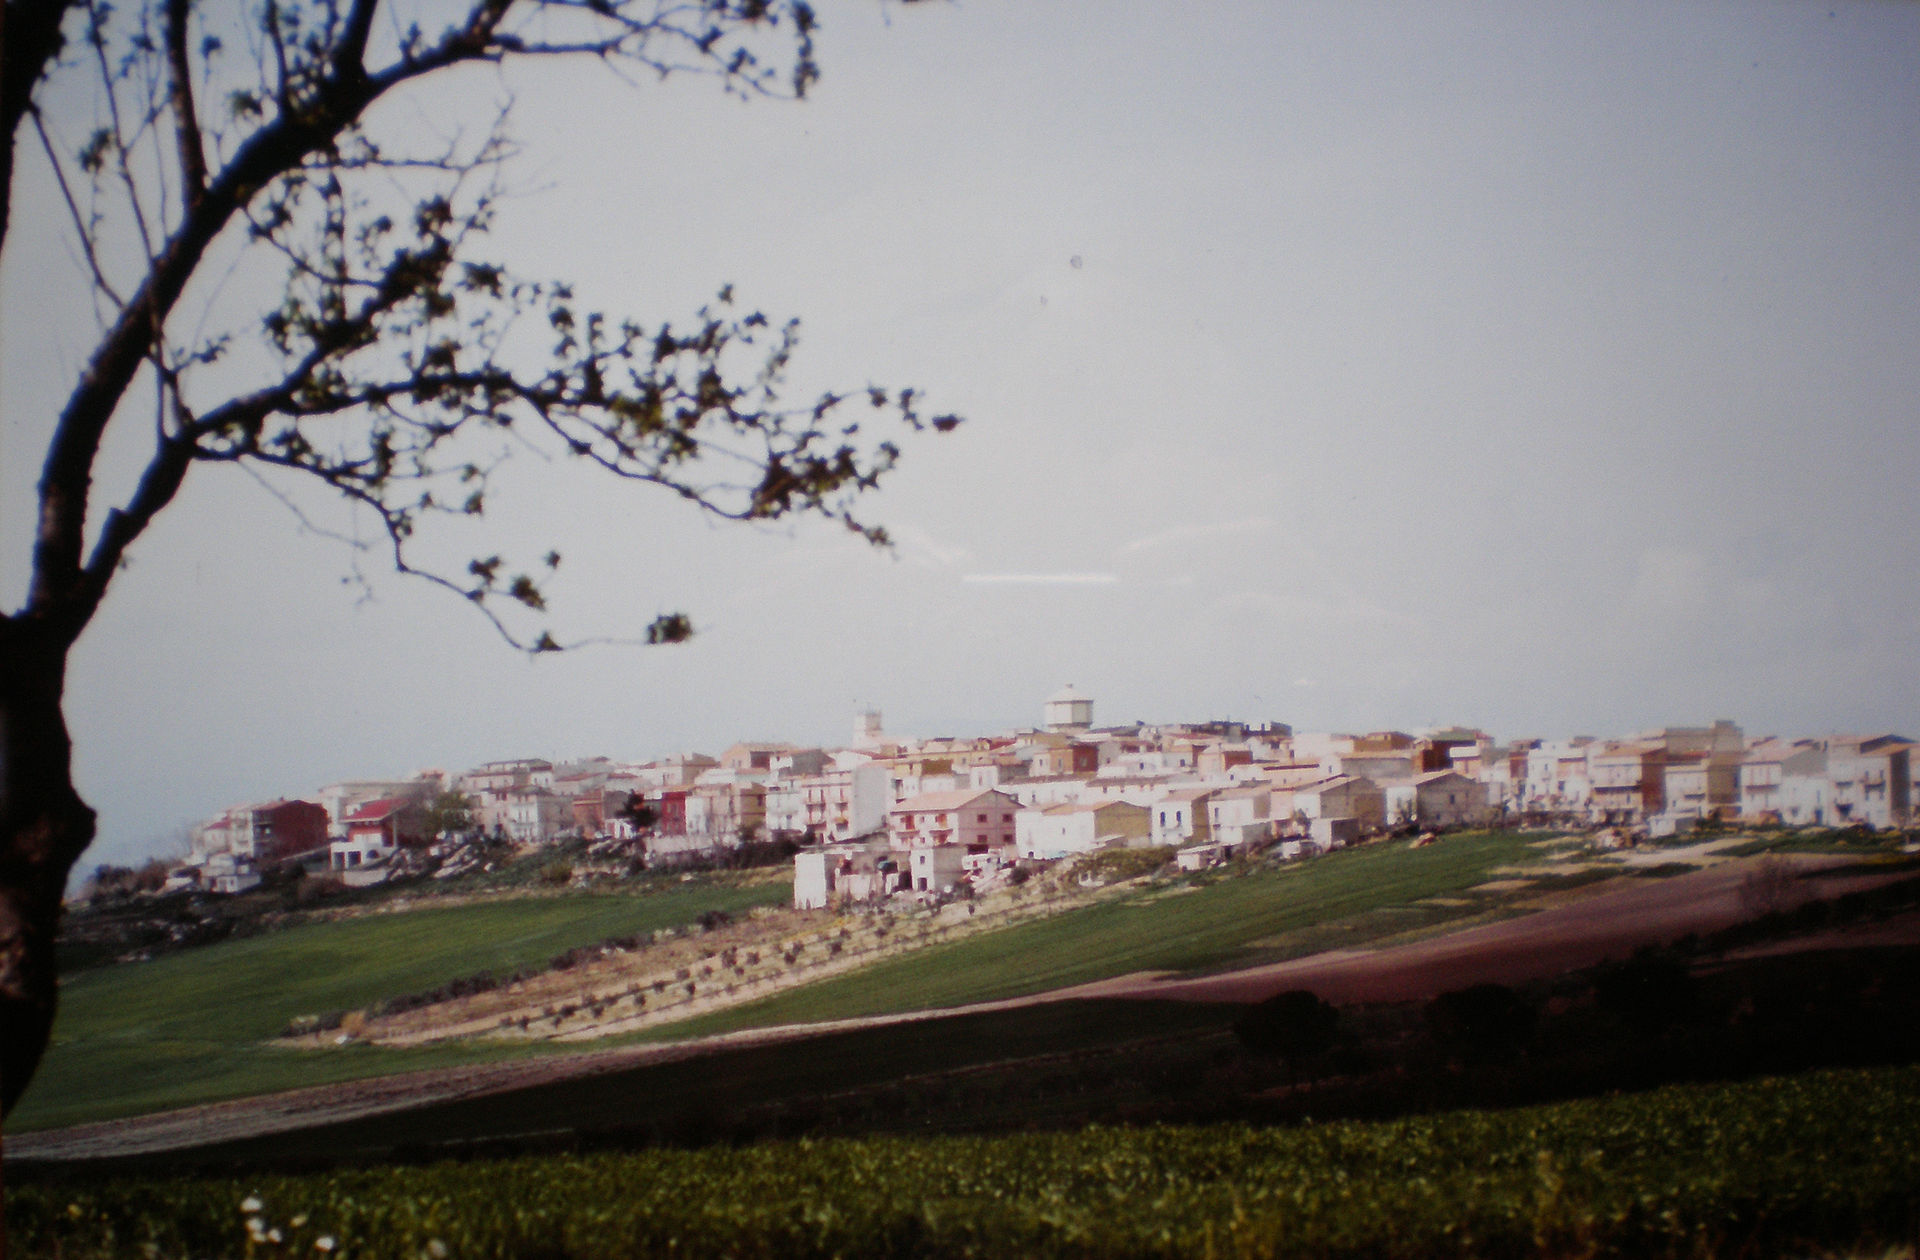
(1579, 931)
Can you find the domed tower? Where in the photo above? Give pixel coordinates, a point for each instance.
(1068, 710)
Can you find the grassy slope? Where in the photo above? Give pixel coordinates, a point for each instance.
(1373, 890)
(187, 1027)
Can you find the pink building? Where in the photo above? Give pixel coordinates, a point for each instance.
(976, 819)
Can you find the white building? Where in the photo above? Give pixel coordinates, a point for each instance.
(786, 809)
(1764, 772)
(535, 815)
(1559, 776)
(229, 873)
(811, 883)
(1180, 817)
(1240, 816)
(1872, 780)
(1057, 831)
(844, 803)
(936, 868)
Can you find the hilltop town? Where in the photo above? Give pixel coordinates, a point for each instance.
(934, 817)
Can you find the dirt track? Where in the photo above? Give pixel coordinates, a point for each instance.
(1570, 933)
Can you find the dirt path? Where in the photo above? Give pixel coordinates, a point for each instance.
(1566, 934)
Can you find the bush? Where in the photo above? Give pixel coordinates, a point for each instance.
(556, 874)
(1121, 864)
(316, 888)
(1650, 993)
(1485, 1022)
(1289, 1025)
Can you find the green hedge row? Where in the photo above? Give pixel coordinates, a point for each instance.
(1801, 1164)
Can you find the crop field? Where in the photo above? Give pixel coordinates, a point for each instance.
(188, 1027)
(1348, 897)
(1805, 1165)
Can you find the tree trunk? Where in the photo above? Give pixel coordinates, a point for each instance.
(44, 827)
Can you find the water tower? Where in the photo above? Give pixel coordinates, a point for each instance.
(1068, 710)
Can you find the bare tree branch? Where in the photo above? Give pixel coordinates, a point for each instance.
(81, 228)
(193, 159)
(30, 40)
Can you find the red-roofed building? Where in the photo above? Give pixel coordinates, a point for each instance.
(279, 830)
(977, 819)
(375, 830)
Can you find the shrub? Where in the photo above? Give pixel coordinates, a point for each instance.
(1771, 887)
(1484, 1022)
(1650, 992)
(1289, 1025)
(1122, 864)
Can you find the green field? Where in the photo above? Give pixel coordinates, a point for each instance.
(1268, 914)
(189, 1027)
(1817, 1164)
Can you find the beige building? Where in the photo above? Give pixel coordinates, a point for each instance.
(1058, 831)
(1342, 796)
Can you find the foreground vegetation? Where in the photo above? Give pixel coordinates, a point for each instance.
(190, 1027)
(1803, 1164)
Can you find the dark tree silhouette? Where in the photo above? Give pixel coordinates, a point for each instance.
(1486, 1022)
(1293, 1026)
(192, 142)
(1649, 992)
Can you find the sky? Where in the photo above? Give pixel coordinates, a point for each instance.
(1547, 368)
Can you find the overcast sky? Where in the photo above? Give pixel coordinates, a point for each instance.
(1549, 368)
